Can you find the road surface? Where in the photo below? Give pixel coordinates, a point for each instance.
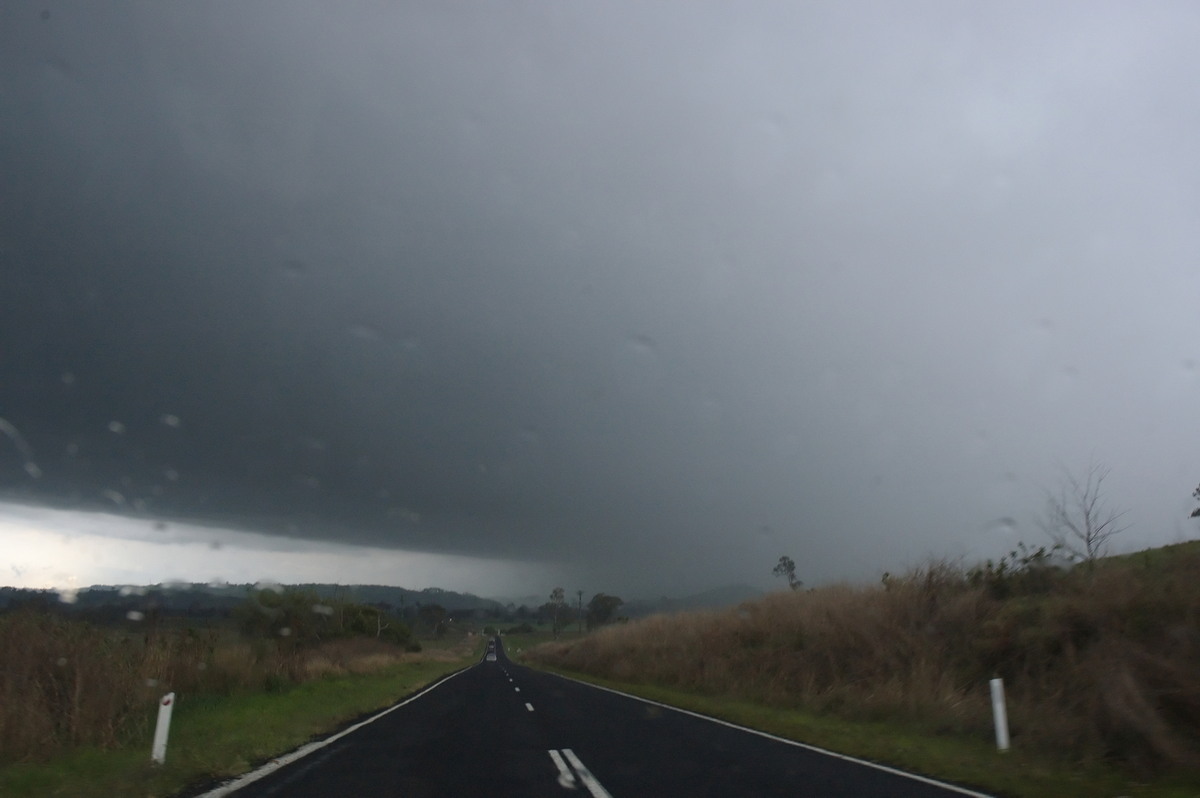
(498, 729)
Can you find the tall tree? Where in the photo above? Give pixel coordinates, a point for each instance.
(601, 609)
(1196, 496)
(786, 567)
(558, 597)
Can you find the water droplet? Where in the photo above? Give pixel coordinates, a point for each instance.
(72, 449)
(152, 682)
(68, 378)
(322, 609)
(68, 595)
(295, 268)
(643, 343)
(171, 474)
(134, 615)
(116, 427)
(169, 419)
(364, 333)
(215, 545)
(1003, 526)
(61, 662)
(17, 438)
(285, 631)
(31, 468)
(113, 496)
(160, 526)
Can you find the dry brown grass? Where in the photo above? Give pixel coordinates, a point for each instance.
(1100, 664)
(354, 655)
(66, 683)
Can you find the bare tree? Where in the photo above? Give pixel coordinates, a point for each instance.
(1077, 519)
(1196, 496)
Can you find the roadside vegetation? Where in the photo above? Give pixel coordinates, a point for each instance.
(1100, 661)
(78, 700)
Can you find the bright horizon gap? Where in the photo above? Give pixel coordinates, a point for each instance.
(52, 549)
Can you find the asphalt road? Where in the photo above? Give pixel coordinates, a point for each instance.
(498, 729)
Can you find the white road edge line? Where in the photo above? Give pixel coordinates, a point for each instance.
(529, 707)
(586, 776)
(566, 779)
(796, 743)
(241, 781)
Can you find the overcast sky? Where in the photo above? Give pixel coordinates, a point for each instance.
(632, 297)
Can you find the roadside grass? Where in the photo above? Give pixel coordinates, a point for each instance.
(214, 737)
(970, 762)
(1099, 663)
(520, 642)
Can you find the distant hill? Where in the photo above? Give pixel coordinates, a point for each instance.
(399, 597)
(205, 600)
(636, 608)
(717, 598)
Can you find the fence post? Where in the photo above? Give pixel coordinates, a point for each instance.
(999, 714)
(159, 752)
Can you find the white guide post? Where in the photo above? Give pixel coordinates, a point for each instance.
(158, 753)
(999, 714)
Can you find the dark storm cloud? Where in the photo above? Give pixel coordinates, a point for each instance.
(664, 290)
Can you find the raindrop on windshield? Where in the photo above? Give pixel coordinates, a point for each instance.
(365, 333)
(1003, 526)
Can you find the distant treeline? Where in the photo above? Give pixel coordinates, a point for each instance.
(108, 604)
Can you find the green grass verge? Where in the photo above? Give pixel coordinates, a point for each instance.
(972, 763)
(215, 737)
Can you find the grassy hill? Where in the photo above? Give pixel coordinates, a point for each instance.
(1101, 661)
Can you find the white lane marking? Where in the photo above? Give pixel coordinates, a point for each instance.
(585, 775)
(529, 707)
(566, 778)
(844, 757)
(304, 750)
(518, 689)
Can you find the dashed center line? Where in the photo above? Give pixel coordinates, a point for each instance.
(518, 689)
(529, 707)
